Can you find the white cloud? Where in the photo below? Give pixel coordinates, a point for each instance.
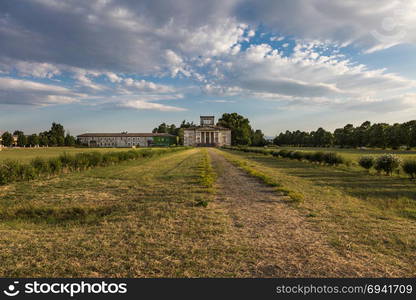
(305, 76)
(148, 86)
(277, 39)
(113, 77)
(145, 105)
(39, 70)
(25, 92)
(251, 33)
(371, 24)
(121, 41)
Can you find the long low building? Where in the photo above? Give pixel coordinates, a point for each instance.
(125, 139)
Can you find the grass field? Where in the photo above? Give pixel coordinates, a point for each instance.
(369, 215)
(137, 219)
(27, 154)
(171, 216)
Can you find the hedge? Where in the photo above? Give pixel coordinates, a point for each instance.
(387, 163)
(12, 171)
(329, 158)
(409, 167)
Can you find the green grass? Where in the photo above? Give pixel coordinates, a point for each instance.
(27, 154)
(135, 219)
(368, 214)
(207, 178)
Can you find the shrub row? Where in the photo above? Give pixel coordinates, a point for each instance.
(328, 158)
(11, 171)
(388, 163)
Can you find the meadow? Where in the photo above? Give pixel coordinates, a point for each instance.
(367, 214)
(207, 213)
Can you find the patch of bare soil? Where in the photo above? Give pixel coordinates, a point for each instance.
(285, 244)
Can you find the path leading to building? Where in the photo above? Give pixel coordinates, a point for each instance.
(285, 243)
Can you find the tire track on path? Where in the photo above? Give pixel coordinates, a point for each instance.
(284, 242)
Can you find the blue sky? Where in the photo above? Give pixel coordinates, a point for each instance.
(106, 65)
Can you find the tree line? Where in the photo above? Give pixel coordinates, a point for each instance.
(54, 137)
(241, 131)
(377, 135)
(173, 129)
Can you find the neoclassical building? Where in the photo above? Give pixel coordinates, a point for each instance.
(207, 134)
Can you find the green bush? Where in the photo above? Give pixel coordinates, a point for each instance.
(108, 159)
(387, 163)
(332, 158)
(13, 168)
(9, 171)
(283, 153)
(275, 153)
(308, 155)
(55, 165)
(367, 162)
(66, 160)
(95, 158)
(318, 157)
(299, 155)
(40, 165)
(409, 167)
(28, 172)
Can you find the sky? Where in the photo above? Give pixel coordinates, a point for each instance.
(127, 65)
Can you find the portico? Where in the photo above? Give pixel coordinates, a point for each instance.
(207, 134)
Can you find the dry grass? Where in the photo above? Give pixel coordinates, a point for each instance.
(360, 215)
(150, 227)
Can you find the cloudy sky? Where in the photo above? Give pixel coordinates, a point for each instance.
(113, 65)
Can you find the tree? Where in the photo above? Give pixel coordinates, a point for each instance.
(173, 130)
(52, 141)
(258, 138)
(7, 139)
(69, 140)
(240, 128)
(33, 140)
(377, 135)
(163, 128)
(322, 138)
(60, 141)
(43, 138)
(394, 136)
(57, 130)
(21, 139)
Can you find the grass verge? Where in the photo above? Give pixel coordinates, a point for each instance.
(207, 178)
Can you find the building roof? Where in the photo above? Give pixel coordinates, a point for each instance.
(125, 135)
(207, 128)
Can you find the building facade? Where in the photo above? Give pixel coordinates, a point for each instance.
(207, 134)
(125, 139)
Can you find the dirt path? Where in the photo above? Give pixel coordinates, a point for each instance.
(286, 245)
